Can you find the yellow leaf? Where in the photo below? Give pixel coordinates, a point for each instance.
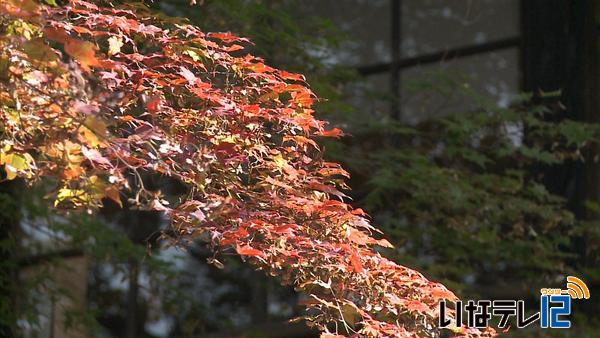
(280, 161)
(88, 137)
(75, 196)
(11, 172)
(67, 150)
(92, 132)
(96, 189)
(15, 163)
(96, 125)
(4, 155)
(114, 45)
(193, 54)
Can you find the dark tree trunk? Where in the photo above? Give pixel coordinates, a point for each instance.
(132, 298)
(560, 52)
(396, 33)
(260, 298)
(9, 222)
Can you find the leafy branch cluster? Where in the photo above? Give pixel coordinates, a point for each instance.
(97, 97)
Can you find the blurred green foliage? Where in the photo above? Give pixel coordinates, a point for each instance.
(462, 195)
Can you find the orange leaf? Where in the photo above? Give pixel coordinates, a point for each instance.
(247, 250)
(234, 48)
(335, 132)
(113, 194)
(442, 293)
(56, 34)
(328, 189)
(303, 99)
(416, 306)
(19, 8)
(359, 211)
(82, 51)
(360, 237)
(355, 261)
(385, 243)
(291, 76)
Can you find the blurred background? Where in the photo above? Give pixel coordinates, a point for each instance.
(472, 142)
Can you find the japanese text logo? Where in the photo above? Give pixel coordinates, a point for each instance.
(555, 307)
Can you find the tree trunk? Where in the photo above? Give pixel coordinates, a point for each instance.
(132, 298)
(9, 221)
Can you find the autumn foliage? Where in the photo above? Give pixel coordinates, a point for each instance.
(96, 97)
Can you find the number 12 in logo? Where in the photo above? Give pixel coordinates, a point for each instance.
(550, 314)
